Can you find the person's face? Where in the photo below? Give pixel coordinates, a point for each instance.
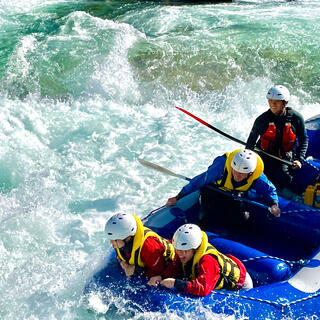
(185, 255)
(238, 176)
(117, 244)
(277, 106)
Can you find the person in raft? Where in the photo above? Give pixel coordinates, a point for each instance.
(200, 268)
(280, 131)
(138, 248)
(239, 172)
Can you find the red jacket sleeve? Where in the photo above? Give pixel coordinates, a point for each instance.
(208, 276)
(152, 256)
(173, 269)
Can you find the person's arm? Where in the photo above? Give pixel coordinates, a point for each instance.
(127, 268)
(152, 256)
(213, 173)
(266, 188)
(302, 138)
(171, 271)
(268, 192)
(253, 136)
(208, 276)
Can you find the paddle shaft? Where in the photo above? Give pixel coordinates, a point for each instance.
(289, 163)
(161, 169)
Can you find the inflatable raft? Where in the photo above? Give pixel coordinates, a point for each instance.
(282, 256)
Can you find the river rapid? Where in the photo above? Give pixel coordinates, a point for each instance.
(88, 87)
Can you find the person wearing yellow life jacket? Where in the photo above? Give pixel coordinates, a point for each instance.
(138, 247)
(200, 268)
(279, 131)
(240, 171)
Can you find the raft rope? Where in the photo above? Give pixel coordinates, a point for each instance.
(300, 262)
(301, 210)
(273, 303)
(311, 165)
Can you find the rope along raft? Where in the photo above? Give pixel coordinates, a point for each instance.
(273, 303)
(291, 263)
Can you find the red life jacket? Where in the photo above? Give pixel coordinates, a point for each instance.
(288, 138)
(268, 139)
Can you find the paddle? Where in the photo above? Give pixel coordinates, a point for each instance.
(170, 173)
(161, 169)
(289, 163)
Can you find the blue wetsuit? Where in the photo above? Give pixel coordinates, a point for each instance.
(262, 189)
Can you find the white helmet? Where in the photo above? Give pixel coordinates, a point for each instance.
(245, 161)
(278, 93)
(188, 236)
(121, 226)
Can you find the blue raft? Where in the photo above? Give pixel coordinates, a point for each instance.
(281, 254)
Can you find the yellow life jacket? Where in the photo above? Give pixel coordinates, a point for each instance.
(226, 184)
(229, 270)
(138, 240)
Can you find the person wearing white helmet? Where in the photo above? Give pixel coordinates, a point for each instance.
(236, 172)
(279, 131)
(200, 268)
(137, 246)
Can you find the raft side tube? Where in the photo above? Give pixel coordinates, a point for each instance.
(262, 269)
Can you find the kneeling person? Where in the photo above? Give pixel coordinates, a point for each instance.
(237, 172)
(200, 268)
(137, 246)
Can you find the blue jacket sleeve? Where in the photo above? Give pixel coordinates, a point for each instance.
(266, 190)
(214, 173)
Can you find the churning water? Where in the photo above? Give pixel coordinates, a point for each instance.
(87, 87)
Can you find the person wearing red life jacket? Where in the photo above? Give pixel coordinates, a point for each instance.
(200, 268)
(279, 131)
(138, 248)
